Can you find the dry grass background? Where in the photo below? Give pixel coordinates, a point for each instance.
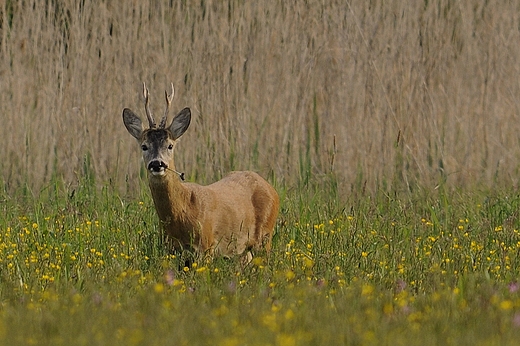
(417, 92)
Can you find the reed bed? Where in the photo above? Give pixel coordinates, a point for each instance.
(374, 93)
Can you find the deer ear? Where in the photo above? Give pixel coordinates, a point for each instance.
(132, 123)
(180, 123)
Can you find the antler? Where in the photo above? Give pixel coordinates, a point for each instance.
(146, 94)
(169, 99)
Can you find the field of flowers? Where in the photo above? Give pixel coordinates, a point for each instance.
(86, 267)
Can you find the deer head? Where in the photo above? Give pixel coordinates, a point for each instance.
(157, 142)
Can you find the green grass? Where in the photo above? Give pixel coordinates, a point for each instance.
(88, 267)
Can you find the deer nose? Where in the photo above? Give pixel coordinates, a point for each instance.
(157, 166)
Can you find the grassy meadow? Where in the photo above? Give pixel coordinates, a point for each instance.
(88, 268)
(389, 129)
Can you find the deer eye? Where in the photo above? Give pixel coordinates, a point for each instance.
(170, 147)
(144, 147)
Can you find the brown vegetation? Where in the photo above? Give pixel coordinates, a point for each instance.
(416, 92)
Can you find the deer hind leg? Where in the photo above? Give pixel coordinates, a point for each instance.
(272, 215)
(268, 227)
(266, 211)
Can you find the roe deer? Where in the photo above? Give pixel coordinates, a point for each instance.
(229, 217)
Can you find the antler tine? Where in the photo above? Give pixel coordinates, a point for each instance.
(169, 99)
(146, 94)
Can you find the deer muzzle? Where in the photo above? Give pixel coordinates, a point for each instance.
(157, 167)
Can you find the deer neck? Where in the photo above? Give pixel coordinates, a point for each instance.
(171, 199)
